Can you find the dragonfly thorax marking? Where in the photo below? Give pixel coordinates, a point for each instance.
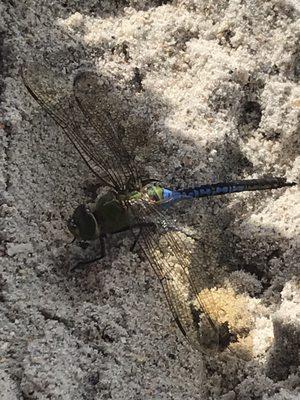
(153, 193)
(149, 193)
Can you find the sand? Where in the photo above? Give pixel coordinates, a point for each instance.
(216, 83)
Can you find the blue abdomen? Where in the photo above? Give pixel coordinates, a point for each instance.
(217, 189)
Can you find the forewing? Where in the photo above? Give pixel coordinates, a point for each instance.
(98, 144)
(180, 270)
(100, 103)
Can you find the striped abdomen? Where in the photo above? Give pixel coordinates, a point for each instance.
(216, 189)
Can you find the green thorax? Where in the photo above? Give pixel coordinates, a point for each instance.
(111, 213)
(150, 192)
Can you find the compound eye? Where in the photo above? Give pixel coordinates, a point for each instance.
(73, 228)
(72, 223)
(83, 224)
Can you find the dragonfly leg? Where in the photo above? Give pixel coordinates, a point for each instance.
(81, 264)
(140, 227)
(102, 246)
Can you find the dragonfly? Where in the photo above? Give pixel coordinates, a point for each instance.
(85, 110)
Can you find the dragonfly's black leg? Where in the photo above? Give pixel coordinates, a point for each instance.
(140, 227)
(81, 264)
(102, 246)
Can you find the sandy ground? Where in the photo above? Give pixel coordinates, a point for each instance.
(219, 89)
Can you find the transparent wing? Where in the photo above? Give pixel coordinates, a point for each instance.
(93, 132)
(100, 104)
(181, 271)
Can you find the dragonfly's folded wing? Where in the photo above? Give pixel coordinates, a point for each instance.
(99, 142)
(176, 264)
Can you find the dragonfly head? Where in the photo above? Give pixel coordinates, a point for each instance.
(83, 224)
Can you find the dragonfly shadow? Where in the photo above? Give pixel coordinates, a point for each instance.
(266, 254)
(284, 356)
(247, 275)
(240, 263)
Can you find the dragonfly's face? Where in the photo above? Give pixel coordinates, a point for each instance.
(83, 224)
